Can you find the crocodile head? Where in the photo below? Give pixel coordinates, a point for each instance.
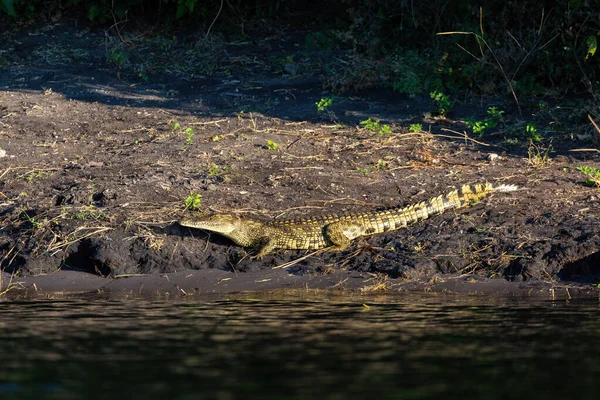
(220, 223)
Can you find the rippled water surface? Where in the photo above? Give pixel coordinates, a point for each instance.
(405, 349)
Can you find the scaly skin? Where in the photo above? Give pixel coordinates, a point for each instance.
(331, 230)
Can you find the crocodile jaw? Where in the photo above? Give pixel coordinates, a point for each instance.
(218, 223)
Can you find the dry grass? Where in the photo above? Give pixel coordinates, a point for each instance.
(296, 261)
(82, 232)
(7, 287)
(381, 283)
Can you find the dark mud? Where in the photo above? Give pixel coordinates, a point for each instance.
(96, 162)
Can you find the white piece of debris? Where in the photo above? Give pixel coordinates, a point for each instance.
(493, 157)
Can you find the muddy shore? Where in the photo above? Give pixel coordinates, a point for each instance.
(96, 164)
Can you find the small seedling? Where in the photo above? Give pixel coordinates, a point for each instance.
(174, 126)
(213, 170)
(532, 133)
(495, 113)
(35, 223)
(415, 128)
(381, 165)
(193, 201)
(189, 133)
(35, 175)
(218, 170)
(371, 125)
(364, 171)
(117, 57)
(271, 145)
(280, 61)
(419, 247)
(478, 126)
(324, 103)
(442, 102)
(510, 142)
(375, 127)
(592, 176)
(410, 84)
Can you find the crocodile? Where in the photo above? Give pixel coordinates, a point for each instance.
(333, 231)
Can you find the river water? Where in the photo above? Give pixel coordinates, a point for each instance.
(418, 347)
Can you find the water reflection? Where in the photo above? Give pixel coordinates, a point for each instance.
(297, 349)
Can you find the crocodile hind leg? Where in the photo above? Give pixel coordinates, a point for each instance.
(340, 234)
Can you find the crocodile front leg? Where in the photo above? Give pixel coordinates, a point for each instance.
(264, 245)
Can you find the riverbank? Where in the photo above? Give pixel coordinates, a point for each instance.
(96, 166)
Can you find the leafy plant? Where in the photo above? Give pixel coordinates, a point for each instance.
(193, 201)
(281, 61)
(28, 9)
(494, 117)
(271, 145)
(90, 212)
(35, 175)
(375, 127)
(592, 176)
(479, 126)
(185, 7)
(317, 41)
(385, 129)
(116, 56)
(371, 125)
(592, 45)
(532, 133)
(413, 72)
(8, 7)
(102, 11)
(410, 84)
(324, 103)
(415, 128)
(495, 113)
(35, 223)
(442, 102)
(218, 170)
(510, 142)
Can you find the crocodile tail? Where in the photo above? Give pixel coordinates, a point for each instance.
(467, 194)
(463, 196)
